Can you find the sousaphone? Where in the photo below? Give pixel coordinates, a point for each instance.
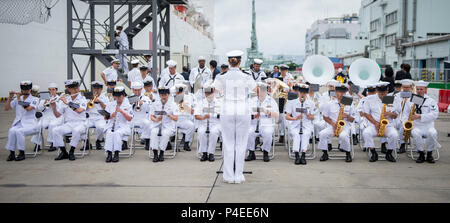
(318, 69)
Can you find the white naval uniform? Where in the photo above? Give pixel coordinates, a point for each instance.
(123, 42)
(235, 119)
(362, 121)
(185, 120)
(167, 128)
(396, 121)
(205, 74)
(214, 125)
(134, 74)
(24, 124)
(48, 120)
(257, 76)
(137, 77)
(73, 122)
(141, 119)
(320, 124)
(169, 80)
(424, 127)
(110, 73)
(373, 106)
(282, 119)
(95, 119)
(266, 124)
(300, 141)
(331, 110)
(121, 127)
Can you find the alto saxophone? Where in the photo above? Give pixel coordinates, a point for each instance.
(340, 123)
(408, 125)
(383, 123)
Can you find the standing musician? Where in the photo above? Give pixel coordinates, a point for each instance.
(286, 78)
(206, 112)
(141, 111)
(24, 123)
(423, 123)
(73, 109)
(134, 73)
(373, 110)
(334, 112)
(256, 72)
(120, 114)
(300, 114)
(185, 116)
(262, 122)
(200, 71)
(96, 120)
(163, 115)
(48, 118)
(169, 79)
(110, 73)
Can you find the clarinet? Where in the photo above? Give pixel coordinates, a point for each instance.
(257, 122)
(160, 126)
(301, 120)
(207, 125)
(114, 120)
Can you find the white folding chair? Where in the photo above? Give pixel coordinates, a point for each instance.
(336, 154)
(310, 153)
(217, 155)
(168, 155)
(36, 152)
(413, 153)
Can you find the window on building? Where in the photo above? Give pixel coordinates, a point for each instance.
(391, 18)
(376, 43)
(375, 25)
(390, 40)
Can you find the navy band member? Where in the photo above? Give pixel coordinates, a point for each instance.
(110, 73)
(330, 115)
(300, 114)
(24, 123)
(163, 115)
(372, 111)
(200, 70)
(169, 79)
(95, 119)
(118, 127)
(141, 110)
(185, 121)
(73, 109)
(262, 124)
(256, 73)
(423, 120)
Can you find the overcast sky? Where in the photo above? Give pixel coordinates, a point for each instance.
(280, 24)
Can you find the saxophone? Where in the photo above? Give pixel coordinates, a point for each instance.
(340, 123)
(408, 125)
(383, 122)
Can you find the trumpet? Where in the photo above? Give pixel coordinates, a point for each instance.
(91, 102)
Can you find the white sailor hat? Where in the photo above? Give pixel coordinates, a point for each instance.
(235, 53)
(171, 63)
(371, 85)
(201, 58)
(67, 82)
(421, 83)
(208, 87)
(301, 87)
(341, 87)
(163, 90)
(382, 84)
(52, 85)
(137, 85)
(115, 61)
(147, 79)
(178, 87)
(147, 55)
(257, 61)
(26, 85)
(119, 90)
(284, 66)
(72, 83)
(333, 83)
(407, 82)
(97, 83)
(397, 82)
(135, 61)
(143, 68)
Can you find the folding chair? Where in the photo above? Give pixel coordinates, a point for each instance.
(136, 138)
(259, 155)
(309, 155)
(83, 139)
(380, 155)
(412, 151)
(39, 133)
(216, 154)
(174, 148)
(131, 151)
(334, 155)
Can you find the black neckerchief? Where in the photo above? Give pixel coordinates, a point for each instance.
(419, 108)
(253, 72)
(171, 79)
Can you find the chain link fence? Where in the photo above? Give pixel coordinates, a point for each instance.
(21, 12)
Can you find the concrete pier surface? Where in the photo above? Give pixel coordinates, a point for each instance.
(186, 179)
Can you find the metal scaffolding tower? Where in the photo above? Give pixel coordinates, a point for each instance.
(90, 35)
